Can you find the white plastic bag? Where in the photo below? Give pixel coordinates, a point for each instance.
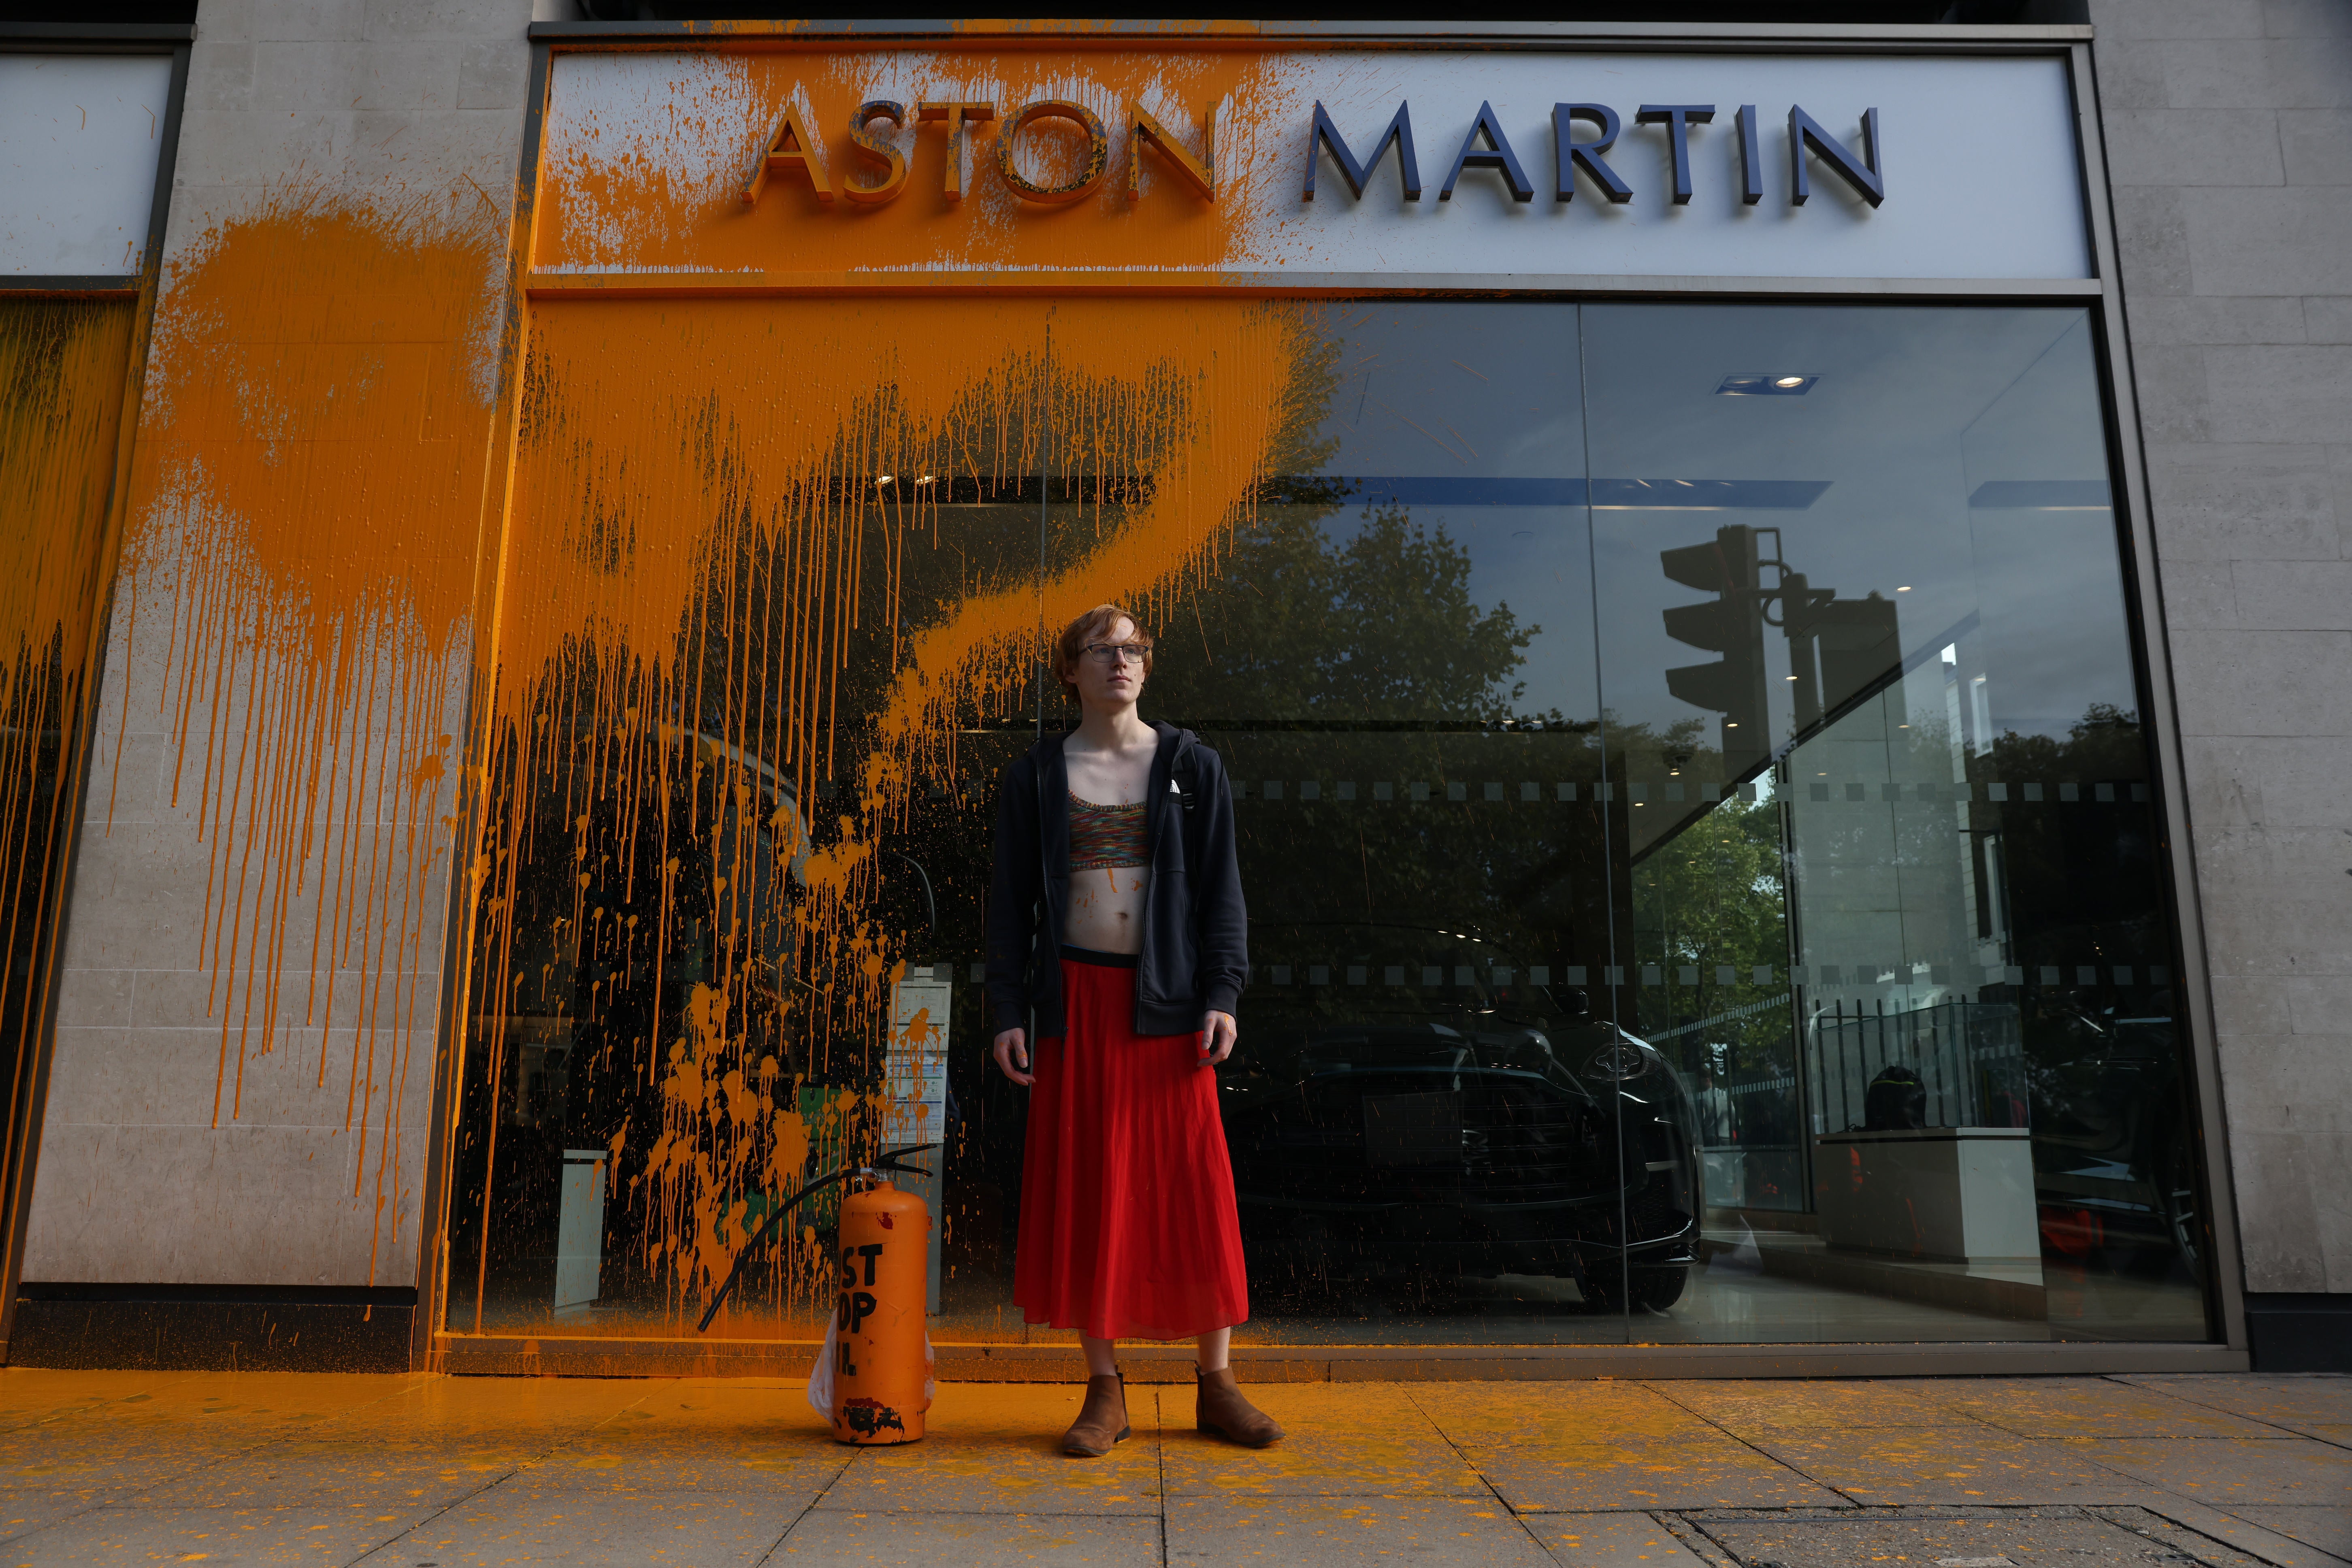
(820, 1384)
(820, 1388)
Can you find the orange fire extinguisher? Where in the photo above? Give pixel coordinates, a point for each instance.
(882, 1355)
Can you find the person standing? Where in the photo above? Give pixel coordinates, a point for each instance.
(1115, 919)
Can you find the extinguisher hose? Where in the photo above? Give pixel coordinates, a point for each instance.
(883, 1163)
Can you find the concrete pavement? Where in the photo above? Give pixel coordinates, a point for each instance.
(434, 1472)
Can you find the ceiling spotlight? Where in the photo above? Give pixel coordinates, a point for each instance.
(1904, 589)
(924, 480)
(1785, 382)
(1766, 385)
(884, 480)
(1788, 677)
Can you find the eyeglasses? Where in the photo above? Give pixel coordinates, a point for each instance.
(1118, 652)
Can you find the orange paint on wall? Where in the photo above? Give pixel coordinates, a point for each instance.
(705, 598)
(665, 190)
(302, 564)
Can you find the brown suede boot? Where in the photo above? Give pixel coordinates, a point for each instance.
(1220, 1408)
(1102, 1419)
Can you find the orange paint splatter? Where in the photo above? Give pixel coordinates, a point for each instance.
(62, 369)
(302, 565)
(659, 185)
(733, 652)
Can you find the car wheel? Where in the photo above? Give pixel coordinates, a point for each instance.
(1654, 1289)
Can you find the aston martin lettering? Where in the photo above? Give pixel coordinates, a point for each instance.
(1586, 150)
(793, 154)
(1486, 145)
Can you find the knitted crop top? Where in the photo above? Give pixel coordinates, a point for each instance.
(1106, 837)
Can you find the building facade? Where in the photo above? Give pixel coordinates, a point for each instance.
(1765, 592)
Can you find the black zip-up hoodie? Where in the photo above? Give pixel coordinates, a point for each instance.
(1195, 953)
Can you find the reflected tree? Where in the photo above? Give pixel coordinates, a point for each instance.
(1377, 625)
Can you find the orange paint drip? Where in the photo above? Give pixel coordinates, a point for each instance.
(62, 368)
(742, 632)
(302, 560)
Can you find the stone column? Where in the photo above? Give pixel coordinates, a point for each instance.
(245, 1062)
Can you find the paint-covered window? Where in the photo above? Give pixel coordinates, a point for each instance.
(1698, 831)
(63, 365)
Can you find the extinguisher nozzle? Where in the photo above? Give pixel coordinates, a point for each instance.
(892, 1162)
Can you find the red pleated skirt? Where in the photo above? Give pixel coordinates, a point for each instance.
(1128, 1225)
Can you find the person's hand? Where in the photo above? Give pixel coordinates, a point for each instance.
(1013, 1055)
(1217, 1039)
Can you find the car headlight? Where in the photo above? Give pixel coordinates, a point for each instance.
(1619, 1062)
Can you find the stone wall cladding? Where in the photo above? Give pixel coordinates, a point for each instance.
(2229, 134)
(305, 124)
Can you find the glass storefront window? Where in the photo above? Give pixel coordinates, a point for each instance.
(1904, 924)
(1699, 836)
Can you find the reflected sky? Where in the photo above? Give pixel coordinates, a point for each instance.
(1457, 392)
(1915, 410)
(1950, 459)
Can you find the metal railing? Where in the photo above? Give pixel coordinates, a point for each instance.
(1970, 1056)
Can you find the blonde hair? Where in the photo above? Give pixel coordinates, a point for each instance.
(1071, 646)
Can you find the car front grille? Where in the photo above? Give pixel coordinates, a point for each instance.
(1652, 1213)
(1487, 1142)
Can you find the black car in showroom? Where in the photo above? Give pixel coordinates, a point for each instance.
(2114, 1149)
(1409, 1100)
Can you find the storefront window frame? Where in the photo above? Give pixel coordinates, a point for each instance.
(137, 291)
(2100, 294)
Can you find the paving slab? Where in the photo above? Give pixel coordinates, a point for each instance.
(189, 1420)
(1336, 1532)
(1699, 1472)
(103, 1456)
(2025, 1538)
(2232, 1531)
(1498, 1413)
(2300, 1400)
(703, 1434)
(260, 1398)
(1951, 1465)
(552, 1407)
(997, 1449)
(28, 1395)
(325, 1534)
(520, 1524)
(2326, 1526)
(482, 1426)
(303, 1471)
(1808, 1404)
(1610, 1540)
(2227, 1473)
(23, 1509)
(2092, 1407)
(666, 1462)
(972, 1539)
(1342, 1439)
